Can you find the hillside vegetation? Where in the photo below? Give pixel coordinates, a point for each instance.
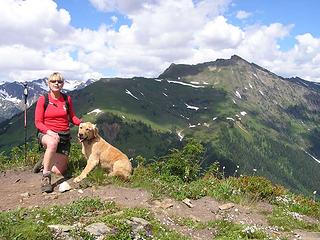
(176, 175)
(248, 119)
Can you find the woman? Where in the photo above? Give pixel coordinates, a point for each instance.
(52, 121)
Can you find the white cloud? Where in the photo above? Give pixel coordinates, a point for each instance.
(114, 19)
(243, 14)
(38, 38)
(32, 23)
(218, 34)
(123, 6)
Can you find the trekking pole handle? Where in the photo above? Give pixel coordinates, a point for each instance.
(25, 93)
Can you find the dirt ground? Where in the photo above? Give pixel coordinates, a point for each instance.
(21, 188)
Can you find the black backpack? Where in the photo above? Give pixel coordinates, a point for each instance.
(65, 97)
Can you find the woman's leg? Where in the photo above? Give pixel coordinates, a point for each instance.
(50, 145)
(60, 163)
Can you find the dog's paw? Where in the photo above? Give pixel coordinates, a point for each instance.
(77, 179)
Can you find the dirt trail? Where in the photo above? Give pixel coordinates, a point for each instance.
(21, 188)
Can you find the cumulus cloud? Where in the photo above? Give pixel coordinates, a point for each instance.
(123, 6)
(38, 38)
(33, 23)
(218, 34)
(243, 14)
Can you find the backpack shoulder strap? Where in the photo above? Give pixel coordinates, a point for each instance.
(66, 99)
(46, 101)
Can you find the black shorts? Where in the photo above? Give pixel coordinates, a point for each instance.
(64, 143)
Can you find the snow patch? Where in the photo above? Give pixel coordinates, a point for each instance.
(314, 158)
(206, 125)
(184, 117)
(129, 93)
(192, 107)
(180, 135)
(185, 84)
(238, 94)
(96, 111)
(229, 118)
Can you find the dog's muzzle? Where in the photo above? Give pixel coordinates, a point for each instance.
(81, 137)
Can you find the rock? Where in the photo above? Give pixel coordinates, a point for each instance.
(140, 221)
(98, 229)
(187, 201)
(25, 195)
(226, 206)
(61, 228)
(65, 186)
(139, 224)
(165, 204)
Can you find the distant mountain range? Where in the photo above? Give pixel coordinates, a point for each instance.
(12, 98)
(248, 118)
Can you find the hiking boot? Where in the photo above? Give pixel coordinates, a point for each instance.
(46, 183)
(38, 166)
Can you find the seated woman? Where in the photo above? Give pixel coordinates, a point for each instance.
(52, 121)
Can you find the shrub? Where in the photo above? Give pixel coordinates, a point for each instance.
(184, 163)
(259, 187)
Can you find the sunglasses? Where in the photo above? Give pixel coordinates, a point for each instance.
(56, 81)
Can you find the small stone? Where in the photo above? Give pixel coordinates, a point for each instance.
(61, 228)
(226, 206)
(98, 229)
(165, 204)
(140, 221)
(25, 195)
(187, 201)
(80, 191)
(65, 186)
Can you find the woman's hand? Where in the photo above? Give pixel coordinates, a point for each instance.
(53, 134)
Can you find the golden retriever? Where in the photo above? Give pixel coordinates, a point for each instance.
(98, 151)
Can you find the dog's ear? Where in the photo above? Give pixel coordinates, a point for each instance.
(95, 131)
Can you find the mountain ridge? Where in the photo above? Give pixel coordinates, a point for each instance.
(12, 94)
(246, 116)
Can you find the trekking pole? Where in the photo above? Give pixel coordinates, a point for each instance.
(25, 93)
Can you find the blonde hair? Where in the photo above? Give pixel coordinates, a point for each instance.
(56, 76)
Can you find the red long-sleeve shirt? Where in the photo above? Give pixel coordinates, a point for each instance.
(55, 117)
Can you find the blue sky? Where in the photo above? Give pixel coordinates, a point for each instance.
(107, 38)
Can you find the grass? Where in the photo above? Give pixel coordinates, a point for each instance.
(288, 221)
(33, 223)
(176, 175)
